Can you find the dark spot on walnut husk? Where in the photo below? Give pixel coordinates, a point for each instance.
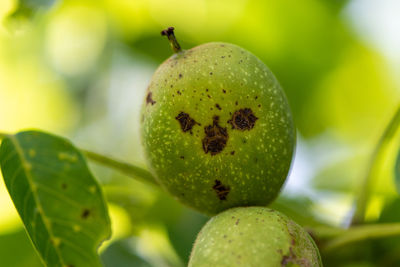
(186, 122)
(179, 92)
(224, 91)
(215, 139)
(85, 214)
(243, 119)
(237, 221)
(218, 106)
(180, 75)
(149, 99)
(291, 259)
(233, 152)
(221, 190)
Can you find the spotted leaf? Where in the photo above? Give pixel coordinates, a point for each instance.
(57, 198)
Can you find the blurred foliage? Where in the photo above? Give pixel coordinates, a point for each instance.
(80, 69)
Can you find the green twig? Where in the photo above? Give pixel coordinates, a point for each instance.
(125, 168)
(365, 189)
(358, 233)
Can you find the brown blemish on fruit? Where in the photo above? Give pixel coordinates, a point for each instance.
(218, 106)
(221, 190)
(224, 91)
(149, 99)
(180, 75)
(292, 259)
(186, 122)
(215, 139)
(243, 119)
(85, 214)
(233, 152)
(179, 92)
(237, 222)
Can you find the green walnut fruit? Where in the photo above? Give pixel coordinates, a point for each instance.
(216, 128)
(253, 236)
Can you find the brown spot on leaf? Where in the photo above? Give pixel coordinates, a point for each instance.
(221, 190)
(243, 119)
(85, 214)
(186, 121)
(149, 99)
(215, 139)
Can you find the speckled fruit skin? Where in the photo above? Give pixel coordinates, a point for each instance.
(253, 236)
(217, 129)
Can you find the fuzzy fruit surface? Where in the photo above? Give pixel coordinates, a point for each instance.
(217, 128)
(253, 236)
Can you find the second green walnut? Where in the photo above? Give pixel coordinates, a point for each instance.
(217, 128)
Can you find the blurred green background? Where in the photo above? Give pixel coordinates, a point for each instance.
(80, 69)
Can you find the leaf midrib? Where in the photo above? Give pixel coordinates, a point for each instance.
(33, 189)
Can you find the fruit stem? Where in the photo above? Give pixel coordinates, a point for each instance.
(355, 234)
(125, 168)
(172, 39)
(374, 167)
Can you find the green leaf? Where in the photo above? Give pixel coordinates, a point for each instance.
(18, 242)
(57, 198)
(397, 172)
(298, 208)
(122, 253)
(383, 159)
(28, 8)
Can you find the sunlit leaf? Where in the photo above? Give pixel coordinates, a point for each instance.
(28, 8)
(17, 242)
(397, 172)
(381, 167)
(57, 198)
